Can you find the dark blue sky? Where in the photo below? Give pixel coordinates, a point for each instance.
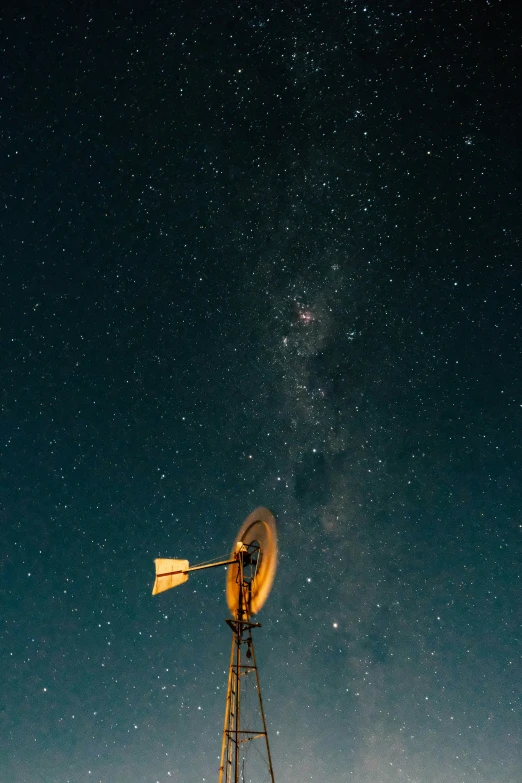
(258, 254)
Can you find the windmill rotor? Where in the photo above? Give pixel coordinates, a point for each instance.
(257, 539)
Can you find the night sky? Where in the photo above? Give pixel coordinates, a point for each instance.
(261, 254)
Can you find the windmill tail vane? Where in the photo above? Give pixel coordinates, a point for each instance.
(172, 572)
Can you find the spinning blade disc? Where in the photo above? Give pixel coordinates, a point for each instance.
(258, 527)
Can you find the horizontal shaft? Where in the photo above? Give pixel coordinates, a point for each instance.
(212, 565)
(197, 568)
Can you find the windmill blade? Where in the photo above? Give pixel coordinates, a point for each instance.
(259, 529)
(169, 573)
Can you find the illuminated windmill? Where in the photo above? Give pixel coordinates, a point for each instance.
(250, 575)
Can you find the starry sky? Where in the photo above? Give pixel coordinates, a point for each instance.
(261, 254)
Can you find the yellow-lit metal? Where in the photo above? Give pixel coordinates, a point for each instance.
(169, 573)
(258, 527)
(251, 571)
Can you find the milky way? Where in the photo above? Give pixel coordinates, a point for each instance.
(258, 255)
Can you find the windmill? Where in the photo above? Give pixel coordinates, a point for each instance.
(251, 570)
